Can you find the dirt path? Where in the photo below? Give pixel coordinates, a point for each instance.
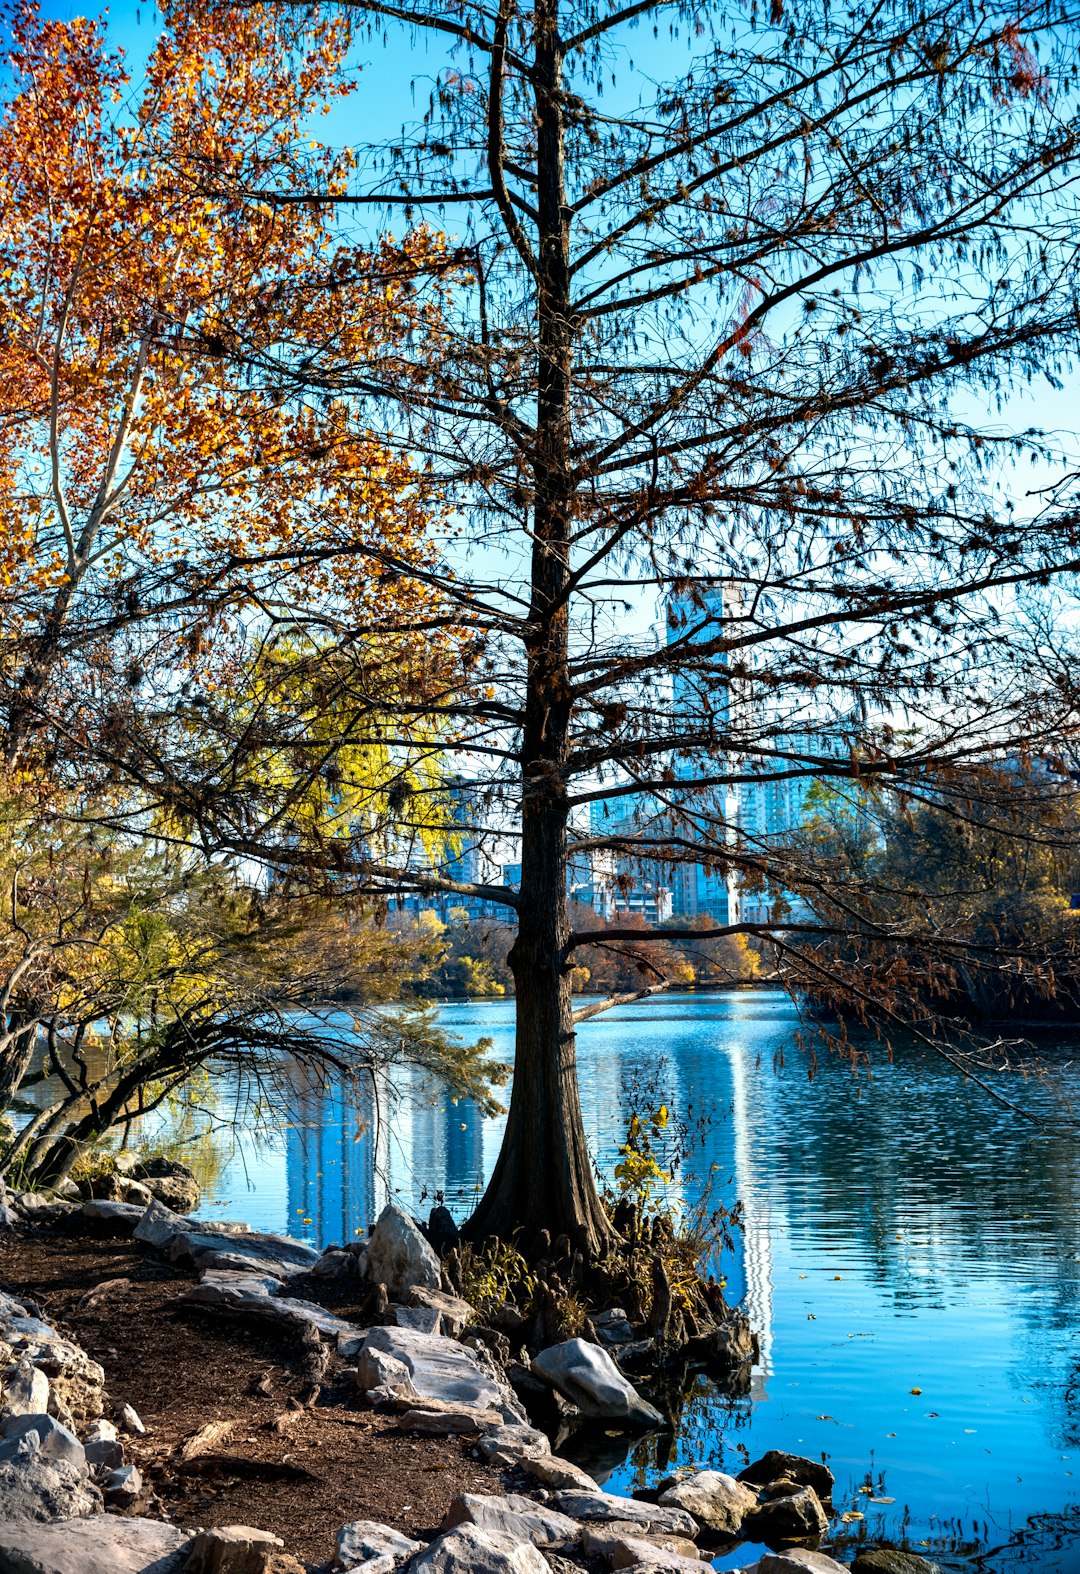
(298, 1473)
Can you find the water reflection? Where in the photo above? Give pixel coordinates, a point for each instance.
(911, 1256)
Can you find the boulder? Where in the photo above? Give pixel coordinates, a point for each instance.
(399, 1256)
(508, 1445)
(519, 1518)
(38, 1207)
(179, 1192)
(587, 1376)
(25, 1390)
(436, 1368)
(276, 1254)
(75, 1382)
(39, 1489)
(613, 1328)
(378, 1549)
(633, 1553)
(890, 1560)
(101, 1545)
(551, 1471)
(54, 1440)
(245, 1295)
(598, 1508)
(335, 1264)
(442, 1232)
(454, 1313)
(469, 1550)
(252, 1281)
(791, 1516)
(159, 1226)
(718, 1502)
(601, 1541)
(776, 1466)
(232, 1549)
(103, 1448)
(799, 1560)
(733, 1344)
(118, 1218)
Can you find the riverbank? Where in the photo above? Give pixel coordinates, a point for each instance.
(251, 1411)
(295, 1471)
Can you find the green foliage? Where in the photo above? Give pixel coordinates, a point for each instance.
(494, 1272)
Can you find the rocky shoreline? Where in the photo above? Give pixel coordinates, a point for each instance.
(72, 1502)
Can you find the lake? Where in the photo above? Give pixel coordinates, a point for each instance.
(910, 1255)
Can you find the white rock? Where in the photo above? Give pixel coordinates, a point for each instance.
(122, 1217)
(103, 1544)
(602, 1541)
(551, 1471)
(423, 1319)
(278, 1254)
(587, 1376)
(34, 1488)
(378, 1549)
(25, 1390)
(159, 1226)
(717, 1501)
(129, 1420)
(399, 1256)
(506, 1445)
(232, 1549)
(122, 1486)
(454, 1313)
(636, 1554)
(437, 1368)
(597, 1507)
(54, 1440)
(520, 1518)
(799, 1560)
(75, 1382)
(469, 1550)
(455, 1422)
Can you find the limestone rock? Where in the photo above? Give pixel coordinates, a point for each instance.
(159, 1226)
(422, 1319)
(601, 1541)
(119, 1218)
(246, 1295)
(717, 1501)
(103, 1448)
(438, 1369)
(598, 1508)
(551, 1471)
(375, 1548)
(794, 1516)
(129, 1420)
(232, 1549)
(179, 1192)
(469, 1550)
(75, 1381)
(508, 1445)
(399, 1256)
(54, 1440)
(520, 1518)
(799, 1560)
(456, 1422)
(613, 1328)
(776, 1465)
(281, 1254)
(123, 1486)
(587, 1376)
(39, 1489)
(101, 1545)
(454, 1313)
(25, 1390)
(633, 1553)
(379, 1372)
(890, 1560)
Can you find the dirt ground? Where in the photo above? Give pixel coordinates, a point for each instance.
(298, 1473)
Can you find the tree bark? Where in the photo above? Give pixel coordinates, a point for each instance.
(544, 1178)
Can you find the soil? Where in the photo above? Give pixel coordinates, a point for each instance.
(299, 1472)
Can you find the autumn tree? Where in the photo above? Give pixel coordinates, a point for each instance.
(153, 489)
(728, 355)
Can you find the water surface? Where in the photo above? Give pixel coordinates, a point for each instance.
(910, 1257)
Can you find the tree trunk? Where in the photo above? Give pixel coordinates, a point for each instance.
(543, 1178)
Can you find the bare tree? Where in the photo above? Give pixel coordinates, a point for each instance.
(729, 350)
